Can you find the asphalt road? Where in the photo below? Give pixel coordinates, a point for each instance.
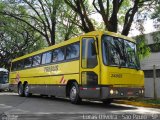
(13, 107)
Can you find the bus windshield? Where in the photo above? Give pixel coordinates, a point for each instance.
(119, 52)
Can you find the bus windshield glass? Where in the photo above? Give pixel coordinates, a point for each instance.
(119, 52)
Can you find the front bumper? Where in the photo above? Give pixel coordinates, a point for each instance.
(108, 92)
(121, 92)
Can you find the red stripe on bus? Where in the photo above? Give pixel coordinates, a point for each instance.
(62, 79)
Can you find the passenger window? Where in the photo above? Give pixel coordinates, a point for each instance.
(36, 60)
(27, 62)
(20, 64)
(46, 57)
(14, 66)
(89, 56)
(72, 51)
(58, 55)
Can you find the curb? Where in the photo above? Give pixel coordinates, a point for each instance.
(139, 104)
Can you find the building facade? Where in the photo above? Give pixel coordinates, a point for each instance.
(147, 64)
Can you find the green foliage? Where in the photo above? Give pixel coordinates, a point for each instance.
(156, 14)
(124, 7)
(156, 38)
(66, 27)
(149, 101)
(142, 48)
(36, 24)
(16, 39)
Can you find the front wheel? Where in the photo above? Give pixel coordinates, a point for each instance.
(20, 90)
(74, 94)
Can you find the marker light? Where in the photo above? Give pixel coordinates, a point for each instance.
(142, 91)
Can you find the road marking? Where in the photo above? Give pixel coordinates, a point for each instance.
(2, 106)
(7, 93)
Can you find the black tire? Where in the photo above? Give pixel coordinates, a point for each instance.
(107, 101)
(26, 90)
(74, 94)
(20, 90)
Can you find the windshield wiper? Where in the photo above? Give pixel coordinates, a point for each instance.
(119, 60)
(137, 67)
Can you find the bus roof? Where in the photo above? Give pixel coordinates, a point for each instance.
(75, 39)
(111, 34)
(48, 48)
(3, 69)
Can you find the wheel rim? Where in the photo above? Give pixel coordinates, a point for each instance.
(26, 90)
(20, 90)
(73, 93)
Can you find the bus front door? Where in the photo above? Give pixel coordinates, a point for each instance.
(89, 68)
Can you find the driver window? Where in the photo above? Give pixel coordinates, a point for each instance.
(89, 56)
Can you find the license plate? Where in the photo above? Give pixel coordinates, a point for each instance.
(129, 93)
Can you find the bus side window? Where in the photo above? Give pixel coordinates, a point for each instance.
(27, 62)
(14, 66)
(36, 60)
(72, 51)
(58, 55)
(89, 56)
(20, 64)
(46, 57)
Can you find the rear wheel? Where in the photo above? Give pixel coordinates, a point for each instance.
(20, 90)
(74, 94)
(26, 90)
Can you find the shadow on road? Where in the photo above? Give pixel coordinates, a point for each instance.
(93, 104)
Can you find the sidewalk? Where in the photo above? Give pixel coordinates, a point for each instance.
(137, 103)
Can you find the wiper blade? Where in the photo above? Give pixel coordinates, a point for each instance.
(137, 68)
(119, 63)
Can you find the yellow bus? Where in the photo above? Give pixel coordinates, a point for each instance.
(99, 65)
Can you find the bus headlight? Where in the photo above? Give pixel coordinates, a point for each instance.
(111, 92)
(142, 91)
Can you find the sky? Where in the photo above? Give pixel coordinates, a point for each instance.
(148, 28)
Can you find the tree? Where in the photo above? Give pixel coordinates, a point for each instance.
(66, 23)
(40, 15)
(24, 27)
(16, 39)
(50, 18)
(80, 7)
(142, 48)
(110, 10)
(156, 15)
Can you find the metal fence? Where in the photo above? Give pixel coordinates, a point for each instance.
(152, 82)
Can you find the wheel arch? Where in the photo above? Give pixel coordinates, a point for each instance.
(68, 86)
